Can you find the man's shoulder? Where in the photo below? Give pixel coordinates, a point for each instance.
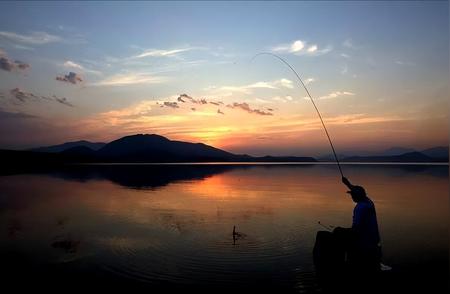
(364, 204)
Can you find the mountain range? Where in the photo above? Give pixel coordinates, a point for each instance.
(68, 145)
(156, 148)
(394, 154)
(152, 148)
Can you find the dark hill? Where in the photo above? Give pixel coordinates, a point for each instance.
(155, 148)
(68, 145)
(437, 152)
(407, 157)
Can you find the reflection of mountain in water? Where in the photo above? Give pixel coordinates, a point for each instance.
(142, 176)
(159, 175)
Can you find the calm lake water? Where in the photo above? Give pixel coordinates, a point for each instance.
(153, 227)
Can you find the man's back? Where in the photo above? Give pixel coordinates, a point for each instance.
(365, 225)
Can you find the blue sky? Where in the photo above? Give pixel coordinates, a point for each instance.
(379, 66)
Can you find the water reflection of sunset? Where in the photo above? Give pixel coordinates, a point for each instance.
(187, 221)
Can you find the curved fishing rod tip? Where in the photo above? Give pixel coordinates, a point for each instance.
(258, 54)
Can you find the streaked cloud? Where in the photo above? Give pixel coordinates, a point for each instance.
(71, 77)
(131, 78)
(62, 100)
(140, 109)
(248, 89)
(405, 63)
(299, 47)
(34, 38)
(171, 104)
(203, 103)
(163, 52)
(284, 99)
(184, 98)
(336, 94)
(71, 64)
(24, 96)
(296, 46)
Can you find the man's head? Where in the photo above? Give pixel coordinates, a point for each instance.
(358, 193)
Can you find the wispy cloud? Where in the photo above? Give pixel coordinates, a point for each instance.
(283, 99)
(296, 46)
(247, 89)
(34, 38)
(299, 47)
(336, 94)
(348, 43)
(140, 109)
(131, 78)
(71, 64)
(71, 77)
(12, 115)
(163, 52)
(244, 106)
(405, 63)
(309, 81)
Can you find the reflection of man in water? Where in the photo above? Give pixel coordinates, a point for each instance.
(364, 249)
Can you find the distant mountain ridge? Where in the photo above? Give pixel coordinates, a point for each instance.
(153, 148)
(64, 146)
(396, 154)
(156, 148)
(407, 157)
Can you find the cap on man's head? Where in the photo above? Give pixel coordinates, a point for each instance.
(357, 191)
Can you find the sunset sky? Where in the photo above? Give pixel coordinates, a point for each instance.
(379, 73)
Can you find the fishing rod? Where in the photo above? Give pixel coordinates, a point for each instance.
(312, 100)
(329, 228)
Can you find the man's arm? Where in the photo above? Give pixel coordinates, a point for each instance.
(347, 182)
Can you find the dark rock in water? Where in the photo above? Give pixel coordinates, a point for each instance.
(68, 245)
(328, 255)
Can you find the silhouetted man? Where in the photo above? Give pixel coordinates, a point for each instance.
(363, 239)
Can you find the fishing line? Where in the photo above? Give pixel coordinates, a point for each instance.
(312, 100)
